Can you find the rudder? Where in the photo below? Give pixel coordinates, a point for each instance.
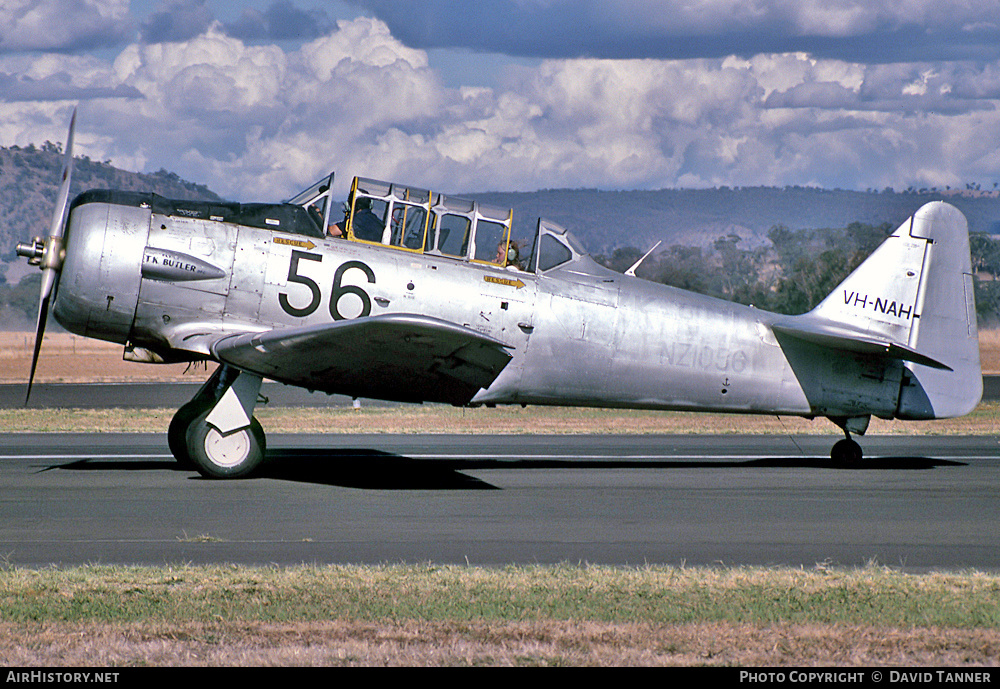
(946, 329)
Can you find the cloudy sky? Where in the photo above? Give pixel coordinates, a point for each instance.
(257, 99)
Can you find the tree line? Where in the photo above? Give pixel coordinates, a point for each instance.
(796, 270)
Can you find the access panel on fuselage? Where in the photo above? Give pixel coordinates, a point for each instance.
(187, 266)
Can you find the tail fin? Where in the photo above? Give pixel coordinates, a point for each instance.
(912, 299)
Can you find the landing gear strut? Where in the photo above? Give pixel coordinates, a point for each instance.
(215, 433)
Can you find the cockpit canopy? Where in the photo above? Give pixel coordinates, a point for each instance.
(554, 246)
(422, 221)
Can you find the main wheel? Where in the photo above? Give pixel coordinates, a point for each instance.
(846, 451)
(207, 396)
(230, 455)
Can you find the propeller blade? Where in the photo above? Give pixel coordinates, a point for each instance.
(51, 264)
(51, 259)
(67, 173)
(43, 312)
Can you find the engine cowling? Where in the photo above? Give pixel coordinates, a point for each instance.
(98, 286)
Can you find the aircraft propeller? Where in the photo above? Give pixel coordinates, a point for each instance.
(48, 253)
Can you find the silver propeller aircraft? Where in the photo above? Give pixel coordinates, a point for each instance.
(416, 296)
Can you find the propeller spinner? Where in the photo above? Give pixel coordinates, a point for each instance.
(48, 253)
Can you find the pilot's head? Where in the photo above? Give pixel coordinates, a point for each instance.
(507, 253)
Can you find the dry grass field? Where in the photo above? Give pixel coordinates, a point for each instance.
(73, 359)
(69, 358)
(989, 351)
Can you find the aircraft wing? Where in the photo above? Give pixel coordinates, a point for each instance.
(401, 357)
(845, 339)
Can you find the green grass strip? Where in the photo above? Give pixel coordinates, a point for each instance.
(662, 595)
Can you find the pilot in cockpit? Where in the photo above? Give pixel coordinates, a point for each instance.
(366, 224)
(508, 254)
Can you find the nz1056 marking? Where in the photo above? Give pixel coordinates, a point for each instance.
(338, 291)
(879, 304)
(703, 356)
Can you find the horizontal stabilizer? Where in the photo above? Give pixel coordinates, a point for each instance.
(845, 340)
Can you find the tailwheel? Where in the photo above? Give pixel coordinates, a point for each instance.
(224, 455)
(846, 451)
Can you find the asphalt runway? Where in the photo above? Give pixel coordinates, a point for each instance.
(918, 503)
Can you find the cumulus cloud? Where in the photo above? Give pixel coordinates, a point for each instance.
(74, 25)
(62, 25)
(258, 121)
(58, 77)
(57, 87)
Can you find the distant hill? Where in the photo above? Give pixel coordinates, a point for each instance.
(602, 220)
(606, 220)
(715, 241)
(29, 182)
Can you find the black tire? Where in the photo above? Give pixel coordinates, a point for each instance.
(233, 455)
(177, 431)
(846, 451)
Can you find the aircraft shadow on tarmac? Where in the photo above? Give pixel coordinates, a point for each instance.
(378, 470)
(374, 469)
(356, 468)
(371, 469)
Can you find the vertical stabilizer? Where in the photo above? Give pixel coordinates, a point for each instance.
(879, 298)
(915, 291)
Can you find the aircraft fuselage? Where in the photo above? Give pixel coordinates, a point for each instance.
(579, 334)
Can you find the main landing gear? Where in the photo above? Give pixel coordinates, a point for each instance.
(215, 433)
(847, 451)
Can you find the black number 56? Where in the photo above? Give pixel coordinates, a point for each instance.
(338, 292)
